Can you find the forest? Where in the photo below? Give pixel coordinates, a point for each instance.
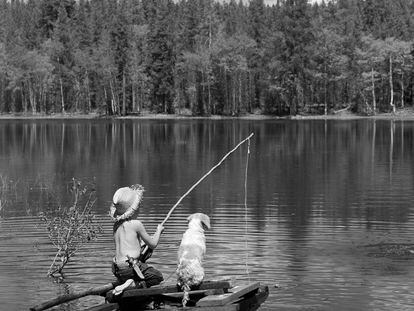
(205, 57)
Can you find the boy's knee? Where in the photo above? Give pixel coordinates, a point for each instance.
(153, 277)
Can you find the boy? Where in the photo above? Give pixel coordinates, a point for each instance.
(128, 234)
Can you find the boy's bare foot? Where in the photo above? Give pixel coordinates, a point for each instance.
(120, 288)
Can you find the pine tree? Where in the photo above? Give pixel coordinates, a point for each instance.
(50, 13)
(120, 37)
(297, 32)
(161, 56)
(257, 31)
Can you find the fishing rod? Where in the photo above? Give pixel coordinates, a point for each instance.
(146, 251)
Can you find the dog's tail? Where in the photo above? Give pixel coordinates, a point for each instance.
(190, 273)
(186, 297)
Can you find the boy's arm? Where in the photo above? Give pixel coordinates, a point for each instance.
(151, 241)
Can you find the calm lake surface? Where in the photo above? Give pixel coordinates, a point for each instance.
(329, 219)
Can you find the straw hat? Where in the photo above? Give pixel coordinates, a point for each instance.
(126, 202)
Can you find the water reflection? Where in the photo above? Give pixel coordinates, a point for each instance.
(319, 192)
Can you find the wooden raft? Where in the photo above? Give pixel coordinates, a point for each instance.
(209, 296)
(161, 290)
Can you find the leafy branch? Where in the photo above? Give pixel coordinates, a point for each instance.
(69, 227)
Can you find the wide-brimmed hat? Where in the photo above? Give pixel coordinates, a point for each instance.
(126, 202)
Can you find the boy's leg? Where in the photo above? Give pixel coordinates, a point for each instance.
(152, 275)
(120, 288)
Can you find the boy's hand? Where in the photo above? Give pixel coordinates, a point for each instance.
(160, 228)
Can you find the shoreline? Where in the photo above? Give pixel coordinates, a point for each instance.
(401, 114)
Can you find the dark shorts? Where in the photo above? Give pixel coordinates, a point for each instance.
(123, 271)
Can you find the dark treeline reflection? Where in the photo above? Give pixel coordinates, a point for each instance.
(302, 171)
(343, 170)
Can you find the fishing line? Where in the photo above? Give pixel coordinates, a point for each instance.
(245, 208)
(169, 276)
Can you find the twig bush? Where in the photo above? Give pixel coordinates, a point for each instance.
(69, 227)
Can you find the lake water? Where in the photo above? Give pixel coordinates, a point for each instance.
(328, 223)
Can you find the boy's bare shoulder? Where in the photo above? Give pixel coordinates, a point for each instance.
(136, 223)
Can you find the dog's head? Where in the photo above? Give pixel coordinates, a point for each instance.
(203, 220)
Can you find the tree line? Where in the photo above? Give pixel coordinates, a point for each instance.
(119, 57)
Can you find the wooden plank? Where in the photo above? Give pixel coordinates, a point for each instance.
(205, 292)
(105, 307)
(245, 304)
(230, 307)
(233, 295)
(158, 290)
(254, 302)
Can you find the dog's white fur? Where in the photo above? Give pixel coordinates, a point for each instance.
(190, 271)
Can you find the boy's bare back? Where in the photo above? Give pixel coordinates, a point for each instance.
(128, 238)
(127, 242)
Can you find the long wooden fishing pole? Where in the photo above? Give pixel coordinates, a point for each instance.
(146, 252)
(204, 176)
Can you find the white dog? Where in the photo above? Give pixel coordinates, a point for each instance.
(190, 271)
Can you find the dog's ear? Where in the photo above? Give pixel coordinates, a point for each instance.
(205, 220)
